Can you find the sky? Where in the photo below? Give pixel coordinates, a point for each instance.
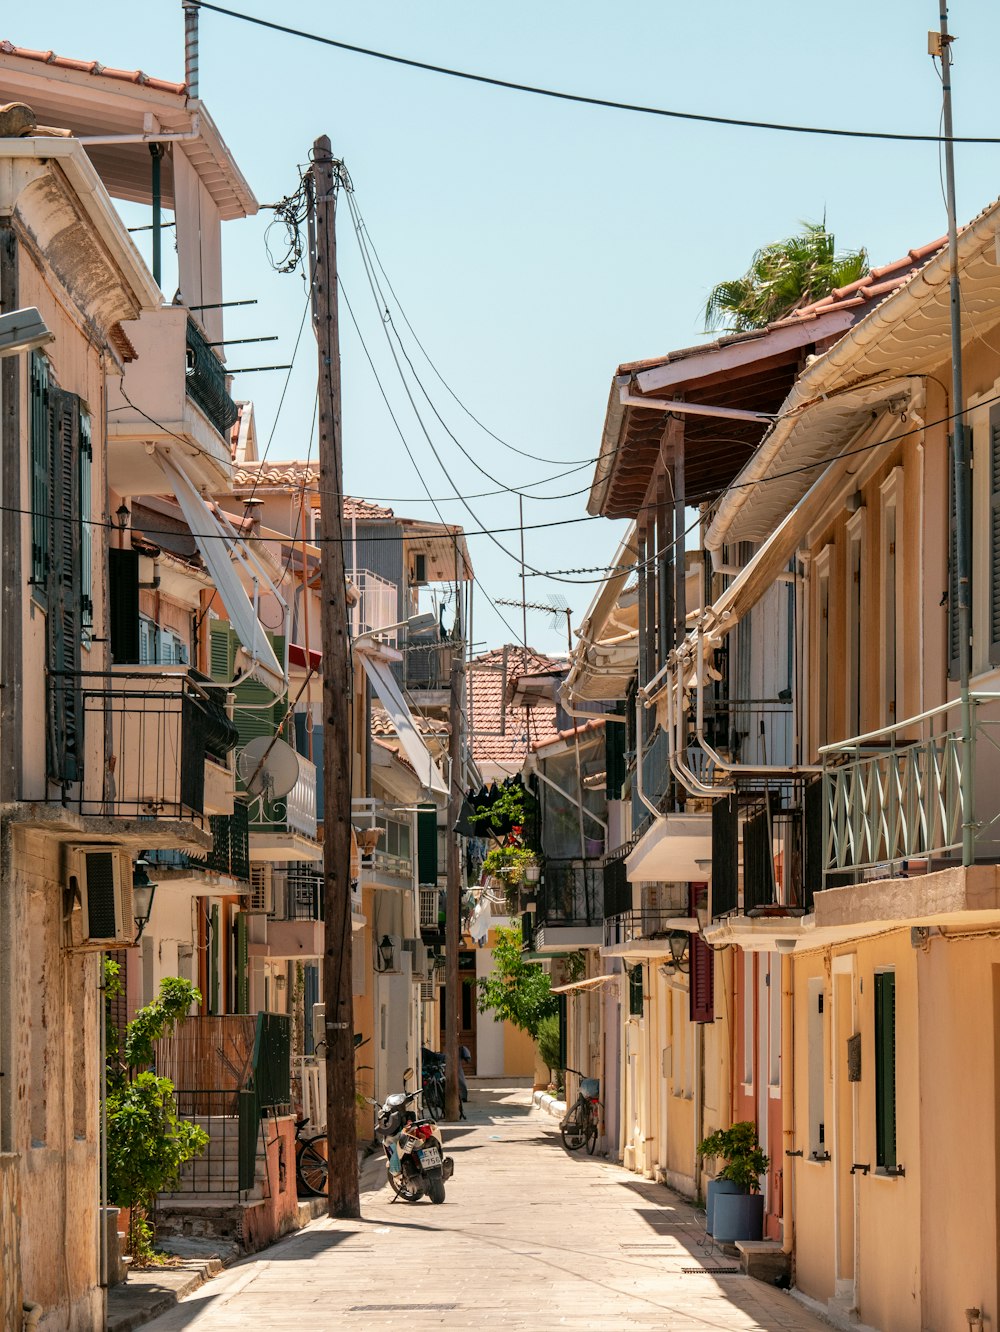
(535, 245)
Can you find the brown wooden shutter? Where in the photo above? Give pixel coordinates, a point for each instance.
(702, 992)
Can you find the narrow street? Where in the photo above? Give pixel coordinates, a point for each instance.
(529, 1238)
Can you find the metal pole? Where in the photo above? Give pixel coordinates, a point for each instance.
(190, 8)
(342, 1150)
(524, 590)
(960, 459)
(453, 901)
(156, 152)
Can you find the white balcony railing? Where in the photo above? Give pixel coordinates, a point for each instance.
(925, 787)
(377, 606)
(393, 855)
(301, 800)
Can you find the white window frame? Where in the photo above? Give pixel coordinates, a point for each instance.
(892, 603)
(857, 526)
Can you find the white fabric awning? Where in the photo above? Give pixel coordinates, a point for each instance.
(676, 849)
(591, 983)
(391, 698)
(219, 548)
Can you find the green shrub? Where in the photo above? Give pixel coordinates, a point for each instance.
(739, 1148)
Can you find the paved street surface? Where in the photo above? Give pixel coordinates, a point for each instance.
(529, 1238)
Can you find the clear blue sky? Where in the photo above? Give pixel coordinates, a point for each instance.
(535, 245)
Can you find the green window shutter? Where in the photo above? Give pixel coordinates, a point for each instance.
(242, 964)
(635, 991)
(427, 845)
(213, 963)
(955, 647)
(40, 473)
(86, 527)
(123, 605)
(221, 652)
(995, 535)
(885, 1070)
(64, 618)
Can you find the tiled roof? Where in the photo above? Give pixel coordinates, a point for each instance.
(868, 290)
(523, 729)
(382, 725)
(585, 728)
(94, 67)
(294, 475)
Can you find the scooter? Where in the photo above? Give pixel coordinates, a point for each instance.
(415, 1160)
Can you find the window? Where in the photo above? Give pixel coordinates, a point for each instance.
(816, 1081)
(885, 1070)
(635, 991)
(891, 594)
(853, 635)
(823, 647)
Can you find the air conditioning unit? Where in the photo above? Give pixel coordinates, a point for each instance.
(99, 891)
(261, 888)
(420, 968)
(427, 991)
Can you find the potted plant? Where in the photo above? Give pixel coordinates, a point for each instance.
(734, 1203)
(509, 863)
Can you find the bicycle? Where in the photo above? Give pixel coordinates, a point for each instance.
(311, 1165)
(581, 1123)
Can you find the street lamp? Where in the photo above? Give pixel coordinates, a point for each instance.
(23, 330)
(678, 941)
(143, 891)
(387, 952)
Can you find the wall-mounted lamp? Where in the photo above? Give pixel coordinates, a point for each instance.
(678, 941)
(387, 953)
(143, 892)
(279, 981)
(122, 515)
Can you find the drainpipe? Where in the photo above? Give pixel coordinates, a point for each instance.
(156, 151)
(788, 1102)
(699, 1103)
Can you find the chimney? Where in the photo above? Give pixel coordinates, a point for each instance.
(191, 46)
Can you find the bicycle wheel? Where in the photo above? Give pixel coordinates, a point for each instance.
(312, 1167)
(593, 1126)
(573, 1130)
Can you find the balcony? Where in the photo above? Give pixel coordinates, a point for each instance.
(377, 605)
(426, 668)
(295, 922)
(569, 911)
(391, 863)
(156, 743)
(178, 387)
(286, 828)
(914, 797)
(229, 857)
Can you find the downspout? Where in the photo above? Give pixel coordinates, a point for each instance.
(699, 1103)
(788, 1103)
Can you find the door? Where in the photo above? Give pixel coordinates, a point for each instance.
(845, 1133)
(466, 1009)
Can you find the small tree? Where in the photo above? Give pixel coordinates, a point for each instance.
(147, 1141)
(549, 1046)
(516, 991)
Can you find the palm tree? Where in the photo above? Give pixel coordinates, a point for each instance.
(783, 276)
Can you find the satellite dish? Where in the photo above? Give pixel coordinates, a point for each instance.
(273, 777)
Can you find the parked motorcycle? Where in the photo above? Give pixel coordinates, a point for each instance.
(432, 1066)
(415, 1160)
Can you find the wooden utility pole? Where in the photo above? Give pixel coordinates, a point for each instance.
(453, 901)
(342, 1147)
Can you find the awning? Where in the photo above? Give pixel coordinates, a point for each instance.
(391, 698)
(593, 983)
(219, 548)
(676, 849)
(307, 660)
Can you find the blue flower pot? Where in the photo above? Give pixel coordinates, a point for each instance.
(738, 1216)
(715, 1187)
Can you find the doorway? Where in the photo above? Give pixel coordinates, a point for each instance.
(467, 1007)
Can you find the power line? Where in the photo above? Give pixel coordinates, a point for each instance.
(603, 102)
(470, 414)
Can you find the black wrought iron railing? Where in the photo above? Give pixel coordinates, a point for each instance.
(782, 832)
(206, 381)
(230, 853)
(145, 737)
(571, 892)
(297, 896)
(646, 923)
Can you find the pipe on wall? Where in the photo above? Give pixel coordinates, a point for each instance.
(787, 1104)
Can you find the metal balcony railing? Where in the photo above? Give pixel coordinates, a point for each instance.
(297, 896)
(377, 605)
(393, 856)
(922, 789)
(146, 736)
(571, 892)
(205, 384)
(647, 923)
(230, 853)
(295, 812)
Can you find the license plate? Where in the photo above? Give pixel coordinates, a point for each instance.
(430, 1156)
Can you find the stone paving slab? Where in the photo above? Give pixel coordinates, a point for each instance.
(530, 1238)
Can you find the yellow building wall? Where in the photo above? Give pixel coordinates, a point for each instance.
(518, 1053)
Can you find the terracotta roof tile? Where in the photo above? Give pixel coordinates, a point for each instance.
(94, 67)
(587, 727)
(523, 729)
(293, 475)
(383, 728)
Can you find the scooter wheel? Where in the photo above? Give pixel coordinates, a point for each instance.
(434, 1181)
(400, 1187)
